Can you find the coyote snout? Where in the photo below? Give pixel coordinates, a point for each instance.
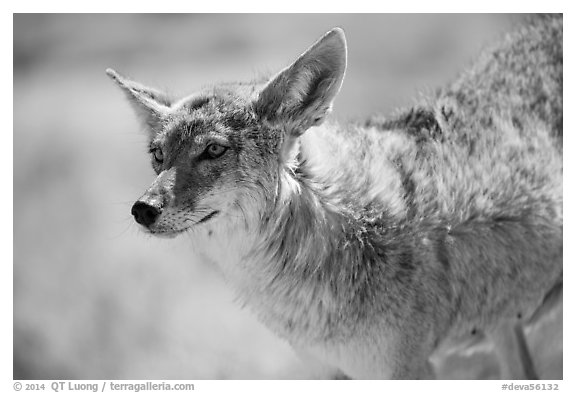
(371, 244)
(150, 206)
(161, 212)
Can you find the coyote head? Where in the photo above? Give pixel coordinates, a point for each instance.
(219, 150)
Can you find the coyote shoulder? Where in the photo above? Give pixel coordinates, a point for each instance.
(368, 245)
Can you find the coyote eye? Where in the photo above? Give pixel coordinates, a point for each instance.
(158, 155)
(215, 150)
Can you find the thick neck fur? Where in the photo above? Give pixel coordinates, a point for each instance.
(304, 273)
(309, 272)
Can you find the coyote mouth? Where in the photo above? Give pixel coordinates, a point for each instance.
(174, 233)
(208, 217)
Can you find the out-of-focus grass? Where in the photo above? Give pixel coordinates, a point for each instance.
(93, 297)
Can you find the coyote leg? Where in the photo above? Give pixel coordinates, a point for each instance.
(513, 352)
(525, 356)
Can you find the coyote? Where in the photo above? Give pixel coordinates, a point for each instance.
(370, 245)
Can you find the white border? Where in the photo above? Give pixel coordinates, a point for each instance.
(298, 6)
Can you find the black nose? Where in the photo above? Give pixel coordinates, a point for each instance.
(144, 213)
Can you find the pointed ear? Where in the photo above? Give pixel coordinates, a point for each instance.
(301, 95)
(150, 104)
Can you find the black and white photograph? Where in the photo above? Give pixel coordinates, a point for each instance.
(288, 197)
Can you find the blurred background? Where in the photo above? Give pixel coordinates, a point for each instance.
(94, 297)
